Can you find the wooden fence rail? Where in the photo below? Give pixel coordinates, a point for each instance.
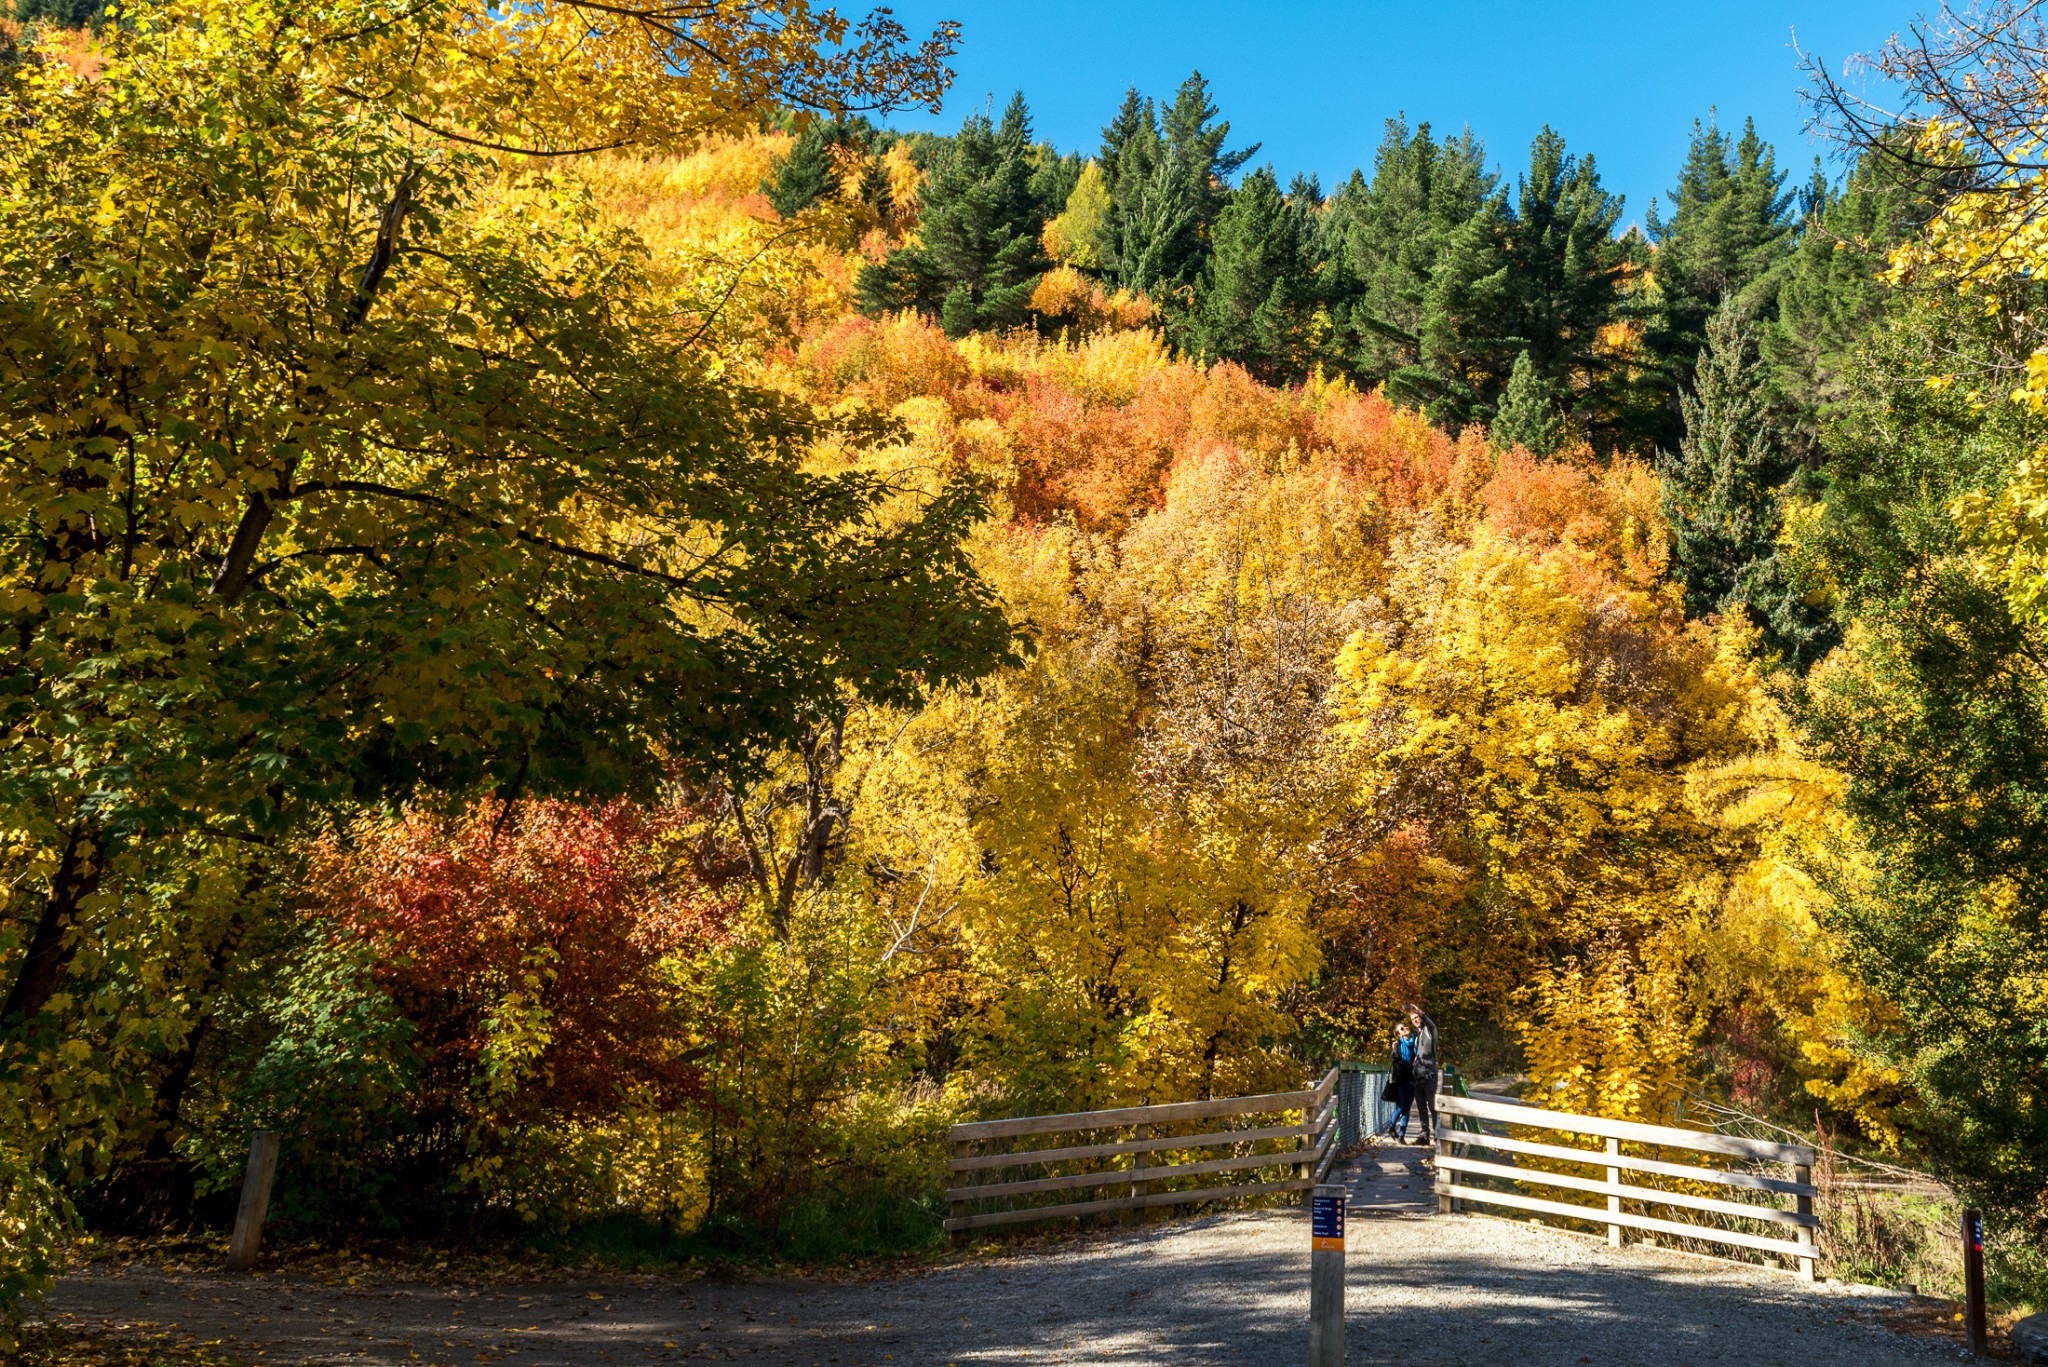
(1153, 1166)
(1456, 1159)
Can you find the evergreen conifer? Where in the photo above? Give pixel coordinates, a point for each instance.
(1830, 290)
(1731, 222)
(1723, 493)
(1528, 415)
(979, 253)
(1566, 268)
(1168, 175)
(67, 13)
(1256, 304)
(1413, 262)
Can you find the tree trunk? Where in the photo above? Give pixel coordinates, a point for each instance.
(50, 948)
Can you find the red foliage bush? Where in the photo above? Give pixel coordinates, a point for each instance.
(565, 917)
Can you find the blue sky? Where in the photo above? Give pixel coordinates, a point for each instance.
(1314, 82)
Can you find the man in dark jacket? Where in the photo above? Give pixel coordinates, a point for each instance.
(1425, 1070)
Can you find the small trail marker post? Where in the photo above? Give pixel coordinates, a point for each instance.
(1326, 1276)
(1973, 1281)
(263, 1146)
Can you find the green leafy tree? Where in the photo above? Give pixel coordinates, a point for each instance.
(1936, 710)
(308, 503)
(1724, 496)
(978, 254)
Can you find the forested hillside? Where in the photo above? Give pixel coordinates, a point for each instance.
(593, 633)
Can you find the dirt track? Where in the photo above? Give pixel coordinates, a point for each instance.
(1230, 1289)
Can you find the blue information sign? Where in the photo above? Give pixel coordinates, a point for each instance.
(1326, 1222)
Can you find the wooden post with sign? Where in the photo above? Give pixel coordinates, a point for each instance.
(262, 1170)
(1326, 1276)
(1973, 1282)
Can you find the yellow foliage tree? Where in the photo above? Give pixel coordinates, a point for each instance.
(1551, 730)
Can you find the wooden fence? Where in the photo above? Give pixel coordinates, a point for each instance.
(1007, 1168)
(1626, 1203)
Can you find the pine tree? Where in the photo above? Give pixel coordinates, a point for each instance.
(1054, 178)
(813, 167)
(1256, 303)
(1723, 493)
(979, 253)
(1732, 220)
(67, 13)
(1564, 283)
(1168, 177)
(1189, 128)
(1413, 262)
(803, 177)
(1830, 290)
(1528, 415)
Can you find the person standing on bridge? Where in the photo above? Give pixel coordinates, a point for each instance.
(1400, 1082)
(1425, 1070)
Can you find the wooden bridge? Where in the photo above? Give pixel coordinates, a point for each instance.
(1150, 1155)
(1696, 1189)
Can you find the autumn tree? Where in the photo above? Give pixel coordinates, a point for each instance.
(407, 476)
(532, 954)
(1079, 235)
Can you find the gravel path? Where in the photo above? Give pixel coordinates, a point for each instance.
(1231, 1289)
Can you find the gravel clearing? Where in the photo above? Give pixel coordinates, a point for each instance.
(1228, 1289)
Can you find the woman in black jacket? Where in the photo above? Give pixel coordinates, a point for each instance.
(1400, 1082)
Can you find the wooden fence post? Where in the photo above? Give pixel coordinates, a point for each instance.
(1139, 1162)
(255, 1203)
(1614, 1202)
(1804, 1174)
(957, 1207)
(1444, 1204)
(1305, 1170)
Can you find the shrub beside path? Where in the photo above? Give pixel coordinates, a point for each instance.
(1228, 1289)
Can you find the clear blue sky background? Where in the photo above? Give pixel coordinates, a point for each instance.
(1314, 82)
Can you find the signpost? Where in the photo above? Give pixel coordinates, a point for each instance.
(1326, 1276)
(1973, 1280)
